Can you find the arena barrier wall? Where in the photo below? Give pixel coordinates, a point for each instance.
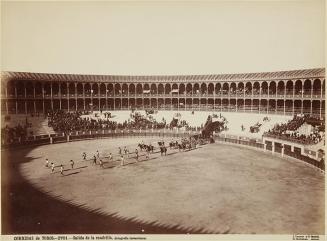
(231, 139)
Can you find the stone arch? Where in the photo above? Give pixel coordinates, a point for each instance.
(317, 87)
(196, 88)
(87, 89)
(124, 103)
(307, 87)
(272, 88)
(289, 87)
(131, 89)
(225, 88)
(117, 100)
(153, 103)
(189, 89)
(256, 88)
(20, 87)
(288, 106)
(248, 88)
(167, 89)
(64, 89)
(316, 107)
(264, 88)
(103, 89)
(146, 87)
(110, 88)
(280, 106)
(272, 105)
(161, 89)
(240, 104)
(47, 88)
(29, 89)
(79, 88)
(298, 87)
(240, 88)
(117, 92)
(217, 88)
(95, 89)
(125, 90)
(38, 89)
(263, 105)
(233, 88)
(174, 88)
(306, 107)
(161, 103)
(211, 88)
(203, 88)
(55, 88)
(11, 88)
(153, 89)
(175, 103)
(281, 88)
(297, 106)
(182, 89)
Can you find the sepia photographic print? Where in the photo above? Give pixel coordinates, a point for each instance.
(163, 120)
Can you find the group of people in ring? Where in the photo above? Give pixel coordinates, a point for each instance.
(122, 153)
(52, 166)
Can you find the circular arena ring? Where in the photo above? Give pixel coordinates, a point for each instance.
(215, 188)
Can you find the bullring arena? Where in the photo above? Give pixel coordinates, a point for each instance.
(248, 152)
(214, 189)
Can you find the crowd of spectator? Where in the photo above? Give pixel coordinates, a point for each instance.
(290, 130)
(66, 122)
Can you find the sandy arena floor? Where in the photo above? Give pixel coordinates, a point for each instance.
(216, 188)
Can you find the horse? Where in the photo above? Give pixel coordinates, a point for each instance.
(142, 146)
(181, 146)
(163, 150)
(151, 148)
(160, 143)
(172, 144)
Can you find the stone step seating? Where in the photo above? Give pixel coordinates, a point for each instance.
(42, 128)
(13, 121)
(39, 125)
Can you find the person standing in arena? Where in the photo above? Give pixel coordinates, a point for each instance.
(161, 150)
(142, 145)
(126, 151)
(137, 155)
(84, 156)
(52, 167)
(46, 162)
(101, 163)
(61, 169)
(72, 164)
(94, 160)
(119, 151)
(110, 156)
(147, 155)
(122, 160)
(98, 154)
